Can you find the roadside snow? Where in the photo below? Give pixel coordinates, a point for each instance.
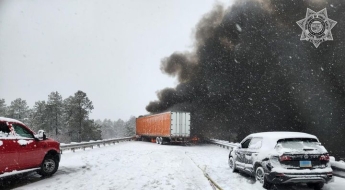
(128, 165)
(143, 165)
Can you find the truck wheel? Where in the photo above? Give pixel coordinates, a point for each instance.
(164, 141)
(49, 166)
(157, 140)
(160, 140)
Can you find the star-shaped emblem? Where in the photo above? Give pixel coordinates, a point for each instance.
(316, 27)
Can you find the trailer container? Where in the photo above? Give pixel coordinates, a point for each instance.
(164, 127)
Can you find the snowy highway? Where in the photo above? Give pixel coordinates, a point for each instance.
(143, 165)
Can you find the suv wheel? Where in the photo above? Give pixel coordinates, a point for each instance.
(49, 166)
(232, 164)
(260, 176)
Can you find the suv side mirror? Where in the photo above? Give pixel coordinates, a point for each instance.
(41, 135)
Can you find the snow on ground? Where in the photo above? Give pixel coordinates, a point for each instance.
(143, 165)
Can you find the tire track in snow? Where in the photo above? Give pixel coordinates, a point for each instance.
(214, 185)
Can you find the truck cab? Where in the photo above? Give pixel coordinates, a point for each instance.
(22, 150)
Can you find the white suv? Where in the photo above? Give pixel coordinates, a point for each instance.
(283, 158)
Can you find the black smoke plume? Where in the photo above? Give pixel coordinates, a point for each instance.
(249, 72)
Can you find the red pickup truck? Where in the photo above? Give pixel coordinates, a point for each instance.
(21, 150)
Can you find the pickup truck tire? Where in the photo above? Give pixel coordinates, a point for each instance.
(49, 166)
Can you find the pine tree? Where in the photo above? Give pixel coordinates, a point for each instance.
(130, 127)
(108, 130)
(91, 131)
(38, 117)
(119, 128)
(3, 108)
(76, 111)
(54, 112)
(18, 109)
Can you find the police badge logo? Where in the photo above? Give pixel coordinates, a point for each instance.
(316, 27)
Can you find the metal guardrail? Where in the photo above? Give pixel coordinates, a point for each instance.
(83, 145)
(337, 166)
(224, 144)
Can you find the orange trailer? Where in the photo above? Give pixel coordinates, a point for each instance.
(164, 128)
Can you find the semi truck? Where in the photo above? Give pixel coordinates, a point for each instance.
(164, 128)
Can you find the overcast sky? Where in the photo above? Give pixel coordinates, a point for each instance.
(110, 49)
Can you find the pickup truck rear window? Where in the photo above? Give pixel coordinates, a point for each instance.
(4, 128)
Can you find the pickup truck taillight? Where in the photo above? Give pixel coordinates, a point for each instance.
(324, 157)
(284, 158)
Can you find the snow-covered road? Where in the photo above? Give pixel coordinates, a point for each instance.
(143, 165)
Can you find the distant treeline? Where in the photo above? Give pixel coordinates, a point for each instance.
(119, 128)
(66, 120)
